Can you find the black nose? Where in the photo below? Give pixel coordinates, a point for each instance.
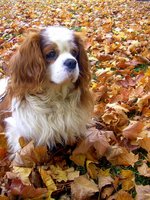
(70, 63)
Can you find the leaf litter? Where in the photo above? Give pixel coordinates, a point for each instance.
(113, 161)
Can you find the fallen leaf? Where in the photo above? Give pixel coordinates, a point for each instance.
(47, 179)
(58, 174)
(115, 115)
(144, 170)
(21, 173)
(145, 143)
(107, 192)
(121, 195)
(104, 178)
(82, 188)
(72, 174)
(143, 192)
(78, 159)
(133, 130)
(96, 140)
(124, 158)
(143, 101)
(127, 179)
(18, 188)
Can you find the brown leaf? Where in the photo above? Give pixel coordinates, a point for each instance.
(143, 101)
(105, 57)
(3, 146)
(144, 170)
(145, 143)
(95, 140)
(30, 155)
(18, 188)
(92, 169)
(114, 115)
(104, 178)
(124, 157)
(143, 192)
(133, 130)
(82, 188)
(121, 195)
(78, 159)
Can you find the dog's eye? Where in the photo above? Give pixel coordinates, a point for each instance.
(74, 52)
(51, 55)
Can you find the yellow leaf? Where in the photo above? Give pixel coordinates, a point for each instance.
(92, 169)
(48, 181)
(23, 174)
(58, 174)
(71, 174)
(127, 179)
(78, 159)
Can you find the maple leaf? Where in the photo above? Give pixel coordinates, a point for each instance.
(18, 188)
(105, 183)
(121, 195)
(145, 143)
(114, 115)
(3, 197)
(143, 101)
(144, 170)
(3, 146)
(20, 173)
(127, 179)
(104, 178)
(30, 155)
(71, 174)
(133, 130)
(143, 192)
(118, 52)
(57, 173)
(121, 156)
(47, 179)
(96, 140)
(82, 188)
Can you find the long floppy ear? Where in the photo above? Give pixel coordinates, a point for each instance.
(85, 75)
(27, 66)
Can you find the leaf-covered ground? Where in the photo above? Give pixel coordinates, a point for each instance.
(113, 162)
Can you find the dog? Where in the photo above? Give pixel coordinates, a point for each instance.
(48, 97)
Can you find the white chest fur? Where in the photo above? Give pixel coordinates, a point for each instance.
(47, 119)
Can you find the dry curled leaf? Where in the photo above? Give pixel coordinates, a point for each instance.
(144, 170)
(123, 158)
(133, 130)
(121, 195)
(82, 188)
(143, 192)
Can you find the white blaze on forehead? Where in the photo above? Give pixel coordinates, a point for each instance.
(59, 35)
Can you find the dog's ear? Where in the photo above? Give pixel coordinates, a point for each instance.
(85, 75)
(27, 66)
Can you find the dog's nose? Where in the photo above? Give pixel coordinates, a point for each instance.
(70, 63)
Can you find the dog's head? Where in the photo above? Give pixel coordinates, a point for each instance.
(54, 55)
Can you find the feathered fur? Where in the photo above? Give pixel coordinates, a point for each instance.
(41, 110)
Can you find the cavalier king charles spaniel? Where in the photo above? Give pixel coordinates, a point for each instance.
(48, 89)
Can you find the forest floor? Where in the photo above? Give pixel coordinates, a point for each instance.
(113, 162)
